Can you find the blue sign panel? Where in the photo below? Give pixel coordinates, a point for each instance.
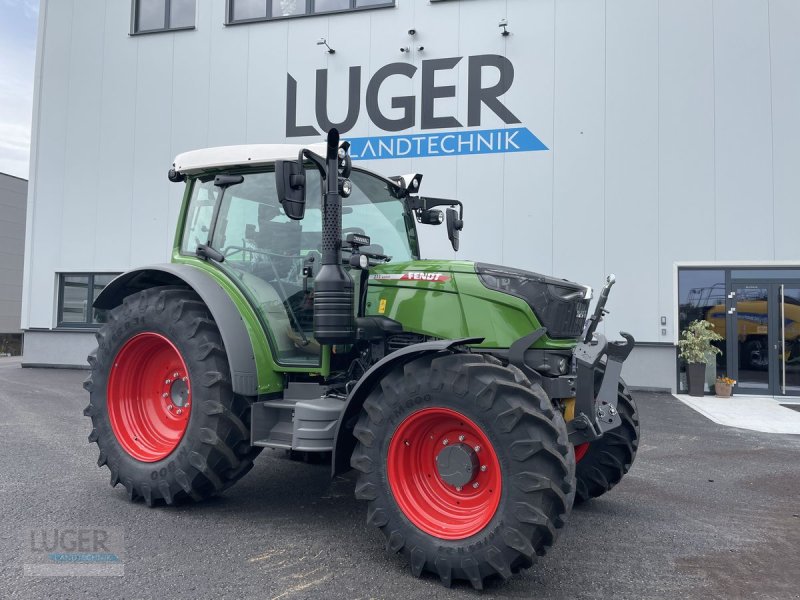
(446, 143)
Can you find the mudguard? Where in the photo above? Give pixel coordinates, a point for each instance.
(344, 442)
(234, 333)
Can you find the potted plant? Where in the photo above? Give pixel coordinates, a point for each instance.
(696, 349)
(723, 387)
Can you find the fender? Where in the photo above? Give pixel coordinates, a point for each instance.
(344, 441)
(234, 333)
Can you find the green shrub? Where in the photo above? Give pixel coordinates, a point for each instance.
(695, 343)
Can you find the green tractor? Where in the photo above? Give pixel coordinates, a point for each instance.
(476, 402)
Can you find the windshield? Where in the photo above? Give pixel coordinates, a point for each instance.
(271, 255)
(249, 207)
(372, 209)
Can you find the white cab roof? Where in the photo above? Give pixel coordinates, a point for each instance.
(230, 156)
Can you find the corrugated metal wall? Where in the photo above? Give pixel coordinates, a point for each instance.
(672, 129)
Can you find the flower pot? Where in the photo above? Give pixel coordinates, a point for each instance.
(723, 390)
(696, 374)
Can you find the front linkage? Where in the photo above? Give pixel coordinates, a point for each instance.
(595, 409)
(595, 415)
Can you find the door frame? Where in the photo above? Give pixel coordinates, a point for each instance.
(785, 272)
(774, 287)
(732, 351)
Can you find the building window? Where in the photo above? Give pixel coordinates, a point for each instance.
(243, 11)
(76, 294)
(150, 16)
(701, 296)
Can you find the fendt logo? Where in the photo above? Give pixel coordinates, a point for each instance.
(458, 141)
(411, 276)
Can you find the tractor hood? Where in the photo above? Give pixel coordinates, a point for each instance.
(439, 275)
(451, 299)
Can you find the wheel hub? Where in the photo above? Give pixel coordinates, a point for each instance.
(179, 392)
(457, 464)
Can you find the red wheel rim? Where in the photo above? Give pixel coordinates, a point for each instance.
(428, 501)
(149, 397)
(581, 450)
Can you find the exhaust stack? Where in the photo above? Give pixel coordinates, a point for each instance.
(334, 292)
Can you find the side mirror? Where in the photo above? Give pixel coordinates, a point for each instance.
(454, 225)
(290, 180)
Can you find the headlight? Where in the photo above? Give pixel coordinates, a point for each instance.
(559, 305)
(345, 187)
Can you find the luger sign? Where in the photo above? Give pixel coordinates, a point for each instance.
(408, 113)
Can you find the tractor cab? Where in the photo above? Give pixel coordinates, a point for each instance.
(274, 259)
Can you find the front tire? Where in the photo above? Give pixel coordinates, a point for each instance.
(164, 415)
(604, 462)
(466, 472)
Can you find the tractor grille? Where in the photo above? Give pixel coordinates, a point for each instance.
(559, 305)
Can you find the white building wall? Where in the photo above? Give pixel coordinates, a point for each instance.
(687, 217)
(784, 48)
(671, 127)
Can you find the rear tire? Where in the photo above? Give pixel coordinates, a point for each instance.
(604, 462)
(155, 336)
(463, 531)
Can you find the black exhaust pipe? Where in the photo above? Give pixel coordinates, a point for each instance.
(334, 292)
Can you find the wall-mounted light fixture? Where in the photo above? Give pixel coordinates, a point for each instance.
(504, 24)
(324, 42)
(407, 49)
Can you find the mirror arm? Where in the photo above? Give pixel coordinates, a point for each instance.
(315, 159)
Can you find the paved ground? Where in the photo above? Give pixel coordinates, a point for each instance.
(706, 512)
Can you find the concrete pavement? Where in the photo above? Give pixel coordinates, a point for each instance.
(706, 512)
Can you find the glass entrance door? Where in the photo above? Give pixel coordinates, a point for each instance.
(749, 339)
(763, 338)
(789, 349)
